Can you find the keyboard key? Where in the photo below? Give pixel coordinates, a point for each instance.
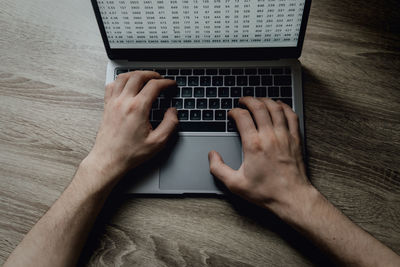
(183, 115)
(174, 91)
(198, 72)
(225, 72)
(286, 91)
(261, 91)
(236, 92)
(162, 94)
(165, 103)
(283, 80)
(231, 127)
(189, 103)
(181, 81)
(155, 104)
(193, 81)
(264, 71)
(211, 91)
(211, 71)
(201, 103)
(195, 115)
(273, 91)
(205, 81)
(237, 72)
(161, 71)
(120, 71)
(202, 126)
(177, 103)
(173, 72)
(254, 80)
(248, 91)
(288, 70)
(186, 72)
(236, 102)
(277, 70)
(220, 115)
(250, 71)
(187, 92)
(158, 115)
(287, 101)
(266, 80)
(169, 78)
(213, 103)
(241, 80)
(217, 80)
(223, 92)
(226, 103)
(208, 115)
(229, 81)
(199, 92)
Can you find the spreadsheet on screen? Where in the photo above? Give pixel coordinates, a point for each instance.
(201, 23)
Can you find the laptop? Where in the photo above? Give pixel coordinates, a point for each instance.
(217, 51)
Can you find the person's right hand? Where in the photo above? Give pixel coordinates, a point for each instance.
(272, 171)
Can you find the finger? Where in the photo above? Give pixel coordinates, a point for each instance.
(276, 113)
(259, 111)
(108, 92)
(292, 120)
(153, 89)
(120, 83)
(244, 123)
(167, 126)
(219, 169)
(137, 80)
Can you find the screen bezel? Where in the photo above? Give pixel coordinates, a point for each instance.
(204, 54)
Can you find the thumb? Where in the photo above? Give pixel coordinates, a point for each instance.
(166, 127)
(219, 169)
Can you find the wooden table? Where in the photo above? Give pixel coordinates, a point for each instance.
(52, 71)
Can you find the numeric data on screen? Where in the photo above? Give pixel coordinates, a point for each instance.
(201, 23)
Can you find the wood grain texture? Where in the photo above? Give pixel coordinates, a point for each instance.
(52, 70)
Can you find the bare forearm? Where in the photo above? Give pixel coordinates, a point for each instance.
(334, 233)
(58, 237)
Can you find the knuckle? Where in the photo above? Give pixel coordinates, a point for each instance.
(259, 106)
(122, 76)
(152, 82)
(137, 74)
(255, 145)
(134, 106)
(277, 108)
(118, 104)
(242, 112)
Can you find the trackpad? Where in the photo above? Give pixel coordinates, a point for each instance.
(187, 167)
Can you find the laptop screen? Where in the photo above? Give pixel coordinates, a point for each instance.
(176, 24)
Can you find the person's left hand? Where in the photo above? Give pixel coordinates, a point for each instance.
(126, 137)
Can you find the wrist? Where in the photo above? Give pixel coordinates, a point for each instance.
(96, 177)
(298, 204)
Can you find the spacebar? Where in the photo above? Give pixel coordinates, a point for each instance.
(202, 126)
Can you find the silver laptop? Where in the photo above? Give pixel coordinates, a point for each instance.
(217, 51)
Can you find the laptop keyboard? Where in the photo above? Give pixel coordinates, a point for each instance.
(205, 95)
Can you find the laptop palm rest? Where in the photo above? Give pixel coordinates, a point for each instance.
(187, 167)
